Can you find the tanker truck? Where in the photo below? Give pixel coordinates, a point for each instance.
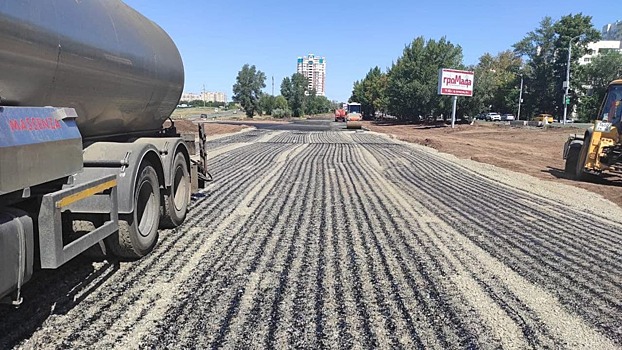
(85, 89)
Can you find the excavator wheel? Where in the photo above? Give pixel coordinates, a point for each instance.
(572, 160)
(575, 160)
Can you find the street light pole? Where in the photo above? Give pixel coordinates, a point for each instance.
(568, 77)
(203, 95)
(520, 97)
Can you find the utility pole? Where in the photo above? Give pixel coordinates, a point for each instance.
(273, 85)
(567, 82)
(520, 97)
(203, 95)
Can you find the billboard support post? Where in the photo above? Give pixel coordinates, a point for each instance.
(453, 112)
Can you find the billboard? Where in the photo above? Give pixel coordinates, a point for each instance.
(455, 82)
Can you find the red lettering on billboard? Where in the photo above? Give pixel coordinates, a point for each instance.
(458, 80)
(455, 82)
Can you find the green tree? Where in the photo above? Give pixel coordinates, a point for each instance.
(538, 47)
(497, 83)
(546, 52)
(568, 27)
(315, 104)
(247, 89)
(281, 108)
(471, 106)
(412, 80)
(335, 105)
(266, 103)
(371, 92)
(324, 104)
(293, 89)
(280, 102)
(286, 89)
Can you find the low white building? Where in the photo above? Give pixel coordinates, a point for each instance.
(599, 47)
(190, 96)
(207, 96)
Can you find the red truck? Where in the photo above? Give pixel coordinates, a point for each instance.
(340, 115)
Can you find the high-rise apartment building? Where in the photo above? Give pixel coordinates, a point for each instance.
(612, 31)
(313, 68)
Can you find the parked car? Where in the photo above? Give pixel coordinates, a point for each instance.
(542, 117)
(493, 117)
(508, 117)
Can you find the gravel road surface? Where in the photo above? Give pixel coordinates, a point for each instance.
(342, 239)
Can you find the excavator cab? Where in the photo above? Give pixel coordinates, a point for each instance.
(599, 148)
(611, 109)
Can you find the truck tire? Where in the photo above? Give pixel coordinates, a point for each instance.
(175, 203)
(138, 232)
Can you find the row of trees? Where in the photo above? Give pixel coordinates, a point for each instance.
(408, 89)
(295, 100)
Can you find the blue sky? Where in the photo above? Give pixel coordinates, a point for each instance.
(216, 38)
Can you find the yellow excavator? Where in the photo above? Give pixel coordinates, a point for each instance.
(599, 149)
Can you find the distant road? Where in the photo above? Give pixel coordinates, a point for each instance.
(213, 115)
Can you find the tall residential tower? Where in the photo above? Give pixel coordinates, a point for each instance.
(612, 31)
(314, 69)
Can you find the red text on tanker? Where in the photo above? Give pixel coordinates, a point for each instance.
(34, 123)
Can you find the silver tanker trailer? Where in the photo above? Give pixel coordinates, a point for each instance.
(85, 87)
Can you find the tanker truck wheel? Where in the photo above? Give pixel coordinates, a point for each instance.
(138, 232)
(175, 203)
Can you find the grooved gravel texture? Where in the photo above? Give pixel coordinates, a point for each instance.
(342, 240)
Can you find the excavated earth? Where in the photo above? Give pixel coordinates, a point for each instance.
(342, 239)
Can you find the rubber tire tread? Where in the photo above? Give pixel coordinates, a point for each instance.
(572, 158)
(170, 217)
(121, 243)
(579, 174)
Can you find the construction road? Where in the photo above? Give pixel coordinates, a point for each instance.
(343, 239)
